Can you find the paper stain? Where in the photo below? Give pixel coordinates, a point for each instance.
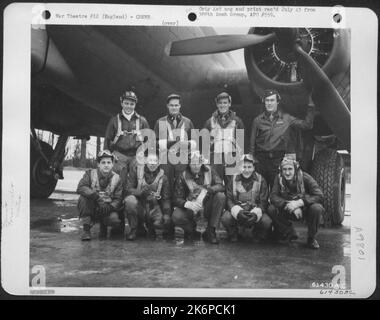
(11, 207)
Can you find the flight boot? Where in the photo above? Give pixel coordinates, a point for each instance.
(210, 235)
(131, 235)
(103, 230)
(192, 236)
(169, 233)
(232, 234)
(141, 232)
(152, 233)
(86, 235)
(312, 244)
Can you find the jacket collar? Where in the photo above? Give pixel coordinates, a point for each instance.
(224, 117)
(251, 178)
(152, 173)
(171, 118)
(134, 115)
(201, 172)
(277, 114)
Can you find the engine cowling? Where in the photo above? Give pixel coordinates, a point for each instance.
(275, 65)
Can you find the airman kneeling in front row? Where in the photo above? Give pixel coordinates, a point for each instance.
(147, 201)
(295, 195)
(247, 198)
(198, 189)
(100, 197)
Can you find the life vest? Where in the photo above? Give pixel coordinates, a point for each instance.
(155, 186)
(223, 138)
(109, 190)
(242, 195)
(121, 132)
(171, 134)
(194, 188)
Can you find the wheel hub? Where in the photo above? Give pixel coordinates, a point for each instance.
(42, 172)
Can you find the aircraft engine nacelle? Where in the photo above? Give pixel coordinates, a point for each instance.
(275, 65)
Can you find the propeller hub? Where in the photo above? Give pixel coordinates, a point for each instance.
(278, 60)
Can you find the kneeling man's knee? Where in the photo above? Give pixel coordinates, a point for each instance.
(130, 202)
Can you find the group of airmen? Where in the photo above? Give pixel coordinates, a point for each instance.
(261, 199)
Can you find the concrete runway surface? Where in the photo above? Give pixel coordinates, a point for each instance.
(55, 244)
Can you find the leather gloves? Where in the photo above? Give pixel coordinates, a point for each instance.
(94, 196)
(246, 218)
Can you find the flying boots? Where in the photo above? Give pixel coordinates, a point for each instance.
(210, 235)
(131, 235)
(191, 236)
(312, 244)
(86, 235)
(152, 233)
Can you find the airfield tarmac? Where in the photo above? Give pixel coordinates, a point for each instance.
(55, 244)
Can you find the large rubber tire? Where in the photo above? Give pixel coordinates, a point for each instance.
(41, 185)
(328, 170)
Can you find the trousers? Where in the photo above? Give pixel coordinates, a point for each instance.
(282, 219)
(261, 229)
(88, 214)
(123, 161)
(268, 167)
(139, 214)
(213, 208)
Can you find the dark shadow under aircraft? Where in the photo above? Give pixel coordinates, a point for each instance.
(78, 73)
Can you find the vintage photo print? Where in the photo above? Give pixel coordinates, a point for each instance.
(189, 151)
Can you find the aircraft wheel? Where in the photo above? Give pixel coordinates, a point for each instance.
(328, 170)
(42, 184)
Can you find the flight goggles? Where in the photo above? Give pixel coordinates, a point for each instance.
(248, 157)
(106, 154)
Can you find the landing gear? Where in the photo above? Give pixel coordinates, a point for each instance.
(45, 166)
(328, 170)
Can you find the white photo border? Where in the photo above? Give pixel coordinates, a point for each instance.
(19, 17)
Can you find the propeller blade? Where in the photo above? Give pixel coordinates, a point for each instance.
(326, 97)
(215, 44)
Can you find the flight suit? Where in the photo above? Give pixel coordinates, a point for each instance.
(246, 194)
(147, 200)
(222, 128)
(166, 139)
(94, 188)
(205, 187)
(304, 187)
(271, 139)
(123, 138)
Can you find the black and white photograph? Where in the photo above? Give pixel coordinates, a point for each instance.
(189, 155)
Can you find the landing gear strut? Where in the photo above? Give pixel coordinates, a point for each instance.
(45, 165)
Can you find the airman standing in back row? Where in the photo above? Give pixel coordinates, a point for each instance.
(271, 134)
(166, 129)
(222, 126)
(173, 132)
(123, 133)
